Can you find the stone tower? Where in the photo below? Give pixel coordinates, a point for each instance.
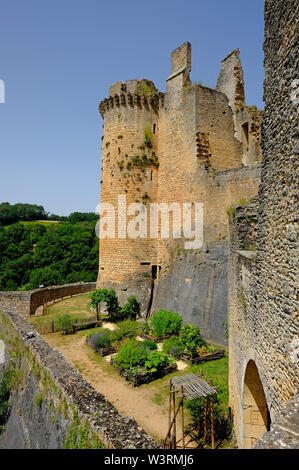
(192, 144)
(129, 176)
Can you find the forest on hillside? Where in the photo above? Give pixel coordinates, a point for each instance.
(34, 254)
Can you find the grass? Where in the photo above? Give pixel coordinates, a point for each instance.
(46, 223)
(157, 391)
(76, 306)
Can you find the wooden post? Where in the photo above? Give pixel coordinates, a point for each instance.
(212, 421)
(211, 413)
(183, 425)
(169, 415)
(53, 326)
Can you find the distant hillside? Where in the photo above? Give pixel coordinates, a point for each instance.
(44, 251)
(12, 213)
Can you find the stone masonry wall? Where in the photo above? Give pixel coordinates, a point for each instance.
(199, 161)
(265, 329)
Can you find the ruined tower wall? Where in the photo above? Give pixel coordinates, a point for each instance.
(199, 161)
(215, 130)
(263, 323)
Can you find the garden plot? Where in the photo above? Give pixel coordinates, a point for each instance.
(148, 402)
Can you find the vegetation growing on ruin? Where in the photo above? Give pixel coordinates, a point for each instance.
(5, 388)
(80, 437)
(145, 87)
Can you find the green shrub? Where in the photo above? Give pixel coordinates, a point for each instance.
(126, 329)
(173, 346)
(63, 322)
(39, 398)
(166, 323)
(103, 339)
(130, 355)
(157, 360)
(131, 309)
(191, 338)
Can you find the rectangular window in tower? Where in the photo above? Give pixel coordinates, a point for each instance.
(154, 128)
(245, 129)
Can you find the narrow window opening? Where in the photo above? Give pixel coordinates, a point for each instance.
(245, 133)
(154, 129)
(145, 263)
(151, 176)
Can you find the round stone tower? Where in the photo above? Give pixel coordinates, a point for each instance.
(129, 184)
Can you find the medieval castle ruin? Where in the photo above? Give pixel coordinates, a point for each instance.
(191, 144)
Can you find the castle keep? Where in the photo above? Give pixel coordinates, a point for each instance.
(191, 144)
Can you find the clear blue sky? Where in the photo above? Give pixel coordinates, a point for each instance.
(58, 59)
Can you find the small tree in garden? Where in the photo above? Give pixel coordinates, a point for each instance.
(108, 296)
(191, 338)
(166, 323)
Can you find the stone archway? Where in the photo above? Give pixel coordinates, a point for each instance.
(256, 419)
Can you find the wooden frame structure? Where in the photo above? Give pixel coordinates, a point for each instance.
(190, 386)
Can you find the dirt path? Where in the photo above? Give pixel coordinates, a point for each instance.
(134, 402)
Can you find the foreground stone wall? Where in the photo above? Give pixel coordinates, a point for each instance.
(263, 321)
(48, 391)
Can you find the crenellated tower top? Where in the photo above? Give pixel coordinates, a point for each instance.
(140, 93)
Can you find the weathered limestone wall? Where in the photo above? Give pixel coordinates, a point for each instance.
(48, 391)
(199, 161)
(263, 322)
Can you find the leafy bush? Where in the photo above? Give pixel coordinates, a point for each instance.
(108, 296)
(191, 338)
(158, 360)
(130, 355)
(165, 323)
(39, 398)
(146, 328)
(131, 309)
(102, 339)
(63, 322)
(173, 346)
